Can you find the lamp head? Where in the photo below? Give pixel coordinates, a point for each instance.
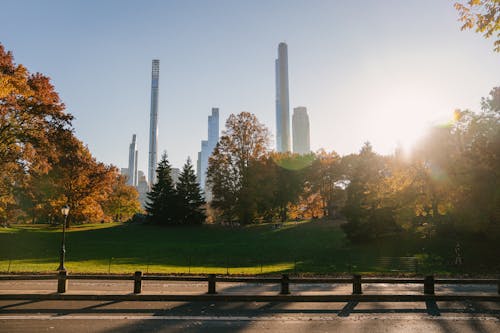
(65, 210)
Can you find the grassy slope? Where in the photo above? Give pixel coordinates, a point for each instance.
(317, 247)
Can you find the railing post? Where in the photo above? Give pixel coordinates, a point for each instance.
(429, 285)
(62, 282)
(285, 285)
(356, 284)
(137, 282)
(211, 284)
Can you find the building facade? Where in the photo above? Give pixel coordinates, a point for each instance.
(282, 101)
(300, 131)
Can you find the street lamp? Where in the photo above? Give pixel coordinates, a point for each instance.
(65, 212)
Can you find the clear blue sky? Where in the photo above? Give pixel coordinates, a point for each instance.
(379, 70)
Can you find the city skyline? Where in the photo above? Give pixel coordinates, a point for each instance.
(383, 77)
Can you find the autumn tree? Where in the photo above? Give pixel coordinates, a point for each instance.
(81, 181)
(483, 16)
(190, 199)
(43, 166)
(325, 178)
(123, 201)
(244, 141)
(448, 187)
(31, 114)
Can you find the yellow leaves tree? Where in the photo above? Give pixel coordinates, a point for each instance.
(123, 202)
(483, 16)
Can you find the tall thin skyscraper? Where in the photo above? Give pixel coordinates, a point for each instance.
(300, 131)
(153, 122)
(282, 103)
(133, 154)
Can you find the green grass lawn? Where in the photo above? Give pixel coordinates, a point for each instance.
(318, 247)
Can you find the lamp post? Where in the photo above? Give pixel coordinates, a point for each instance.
(65, 212)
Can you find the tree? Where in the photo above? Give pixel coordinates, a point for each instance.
(162, 200)
(31, 115)
(491, 104)
(43, 166)
(263, 179)
(123, 202)
(367, 213)
(191, 204)
(483, 16)
(290, 178)
(80, 180)
(244, 141)
(478, 136)
(325, 177)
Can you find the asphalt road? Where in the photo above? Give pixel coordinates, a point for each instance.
(138, 316)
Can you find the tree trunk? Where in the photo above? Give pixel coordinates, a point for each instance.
(283, 213)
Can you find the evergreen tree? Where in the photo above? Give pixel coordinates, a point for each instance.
(191, 204)
(161, 205)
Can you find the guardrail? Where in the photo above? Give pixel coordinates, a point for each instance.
(284, 281)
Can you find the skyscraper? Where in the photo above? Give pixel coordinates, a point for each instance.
(300, 131)
(213, 129)
(282, 104)
(198, 168)
(133, 155)
(207, 147)
(142, 188)
(153, 122)
(203, 162)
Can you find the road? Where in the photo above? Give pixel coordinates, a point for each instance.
(138, 316)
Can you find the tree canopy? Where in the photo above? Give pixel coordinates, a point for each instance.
(43, 166)
(483, 16)
(244, 141)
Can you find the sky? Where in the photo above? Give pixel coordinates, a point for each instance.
(376, 70)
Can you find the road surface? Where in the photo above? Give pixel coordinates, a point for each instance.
(138, 316)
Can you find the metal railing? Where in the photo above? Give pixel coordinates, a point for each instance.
(357, 282)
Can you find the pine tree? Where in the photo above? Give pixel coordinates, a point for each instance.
(191, 204)
(161, 205)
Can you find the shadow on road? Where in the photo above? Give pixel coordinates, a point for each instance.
(241, 310)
